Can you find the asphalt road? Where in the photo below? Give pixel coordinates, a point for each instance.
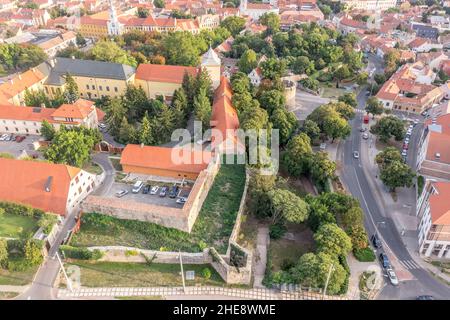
(354, 177)
(42, 285)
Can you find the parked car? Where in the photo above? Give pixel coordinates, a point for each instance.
(181, 200)
(137, 186)
(9, 137)
(416, 122)
(408, 133)
(154, 190)
(356, 154)
(392, 276)
(384, 260)
(407, 140)
(121, 193)
(425, 297)
(102, 126)
(3, 137)
(19, 139)
(405, 146)
(174, 192)
(376, 241)
(163, 191)
(363, 129)
(365, 136)
(146, 189)
(404, 153)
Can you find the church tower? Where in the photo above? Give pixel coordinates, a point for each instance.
(212, 63)
(114, 26)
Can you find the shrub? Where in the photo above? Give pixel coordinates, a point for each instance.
(277, 230)
(206, 273)
(131, 253)
(202, 245)
(364, 254)
(33, 252)
(420, 184)
(18, 265)
(81, 253)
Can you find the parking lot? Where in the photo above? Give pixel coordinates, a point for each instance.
(16, 148)
(154, 199)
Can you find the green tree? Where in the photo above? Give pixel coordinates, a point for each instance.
(36, 98)
(159, 3)
(322, 168)
(70, 147)
(303, 65)
(3, 252)
(143, 12)
(285, 121)
(352, 217)
(311, 129)
(145, 132)
(163, 124)
(341, 73)
(80, 40)
(273, 69)
(387, 156)
(240, 83)
(259, 186)
(392, 61)
(312, 270)
(202, 108)
(47, 130)
(389, 126)
(362, 78)
(254, 119)
(332, 240)
(349, 98)
(271, 21)
(248, 61)
(272, 100)
(109, 51)
(310, 84)
(374, 106)
(188, 86)
(181, 107)
(335, 127)
(345, 110)
(33, 252)
(203, 82)
(135, 102)
(233, 24)
(287, 206)
(115, 111)
(182, 48)
(71, 93)
(126, 132)
(397, 174)
(298, 156)
(358, 235)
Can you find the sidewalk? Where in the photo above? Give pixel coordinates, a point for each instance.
(262, 244)
(402, 211)
(18, 289)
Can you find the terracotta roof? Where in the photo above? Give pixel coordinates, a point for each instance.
(79, 110)
(417, 42)
(24, 182)
(11, 112)
(439, 139)
(163, 73)
(19, 83)
(224, 117)
(440, 204)
(166, 158)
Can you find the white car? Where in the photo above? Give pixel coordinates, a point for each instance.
(121, 193)
(3, 137)
(356, 154)
(181, 200)
(365, 136)
(392, 276)
(154, 190)
(137, 186)
(404, 153)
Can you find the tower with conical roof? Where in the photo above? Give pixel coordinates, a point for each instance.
(212, 63)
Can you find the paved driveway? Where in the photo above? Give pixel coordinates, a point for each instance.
(16, 148)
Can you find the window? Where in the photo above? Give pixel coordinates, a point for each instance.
(107, 88)
(14, 122)
(6, 128)
(34, 124)
(26, 130)
(24, 123)
(77, 180)
(100, 88)
(93, 87)
(87, 86)
(17, 130)
(80, 190)
(115, 89)
(53, 90)
(37, 131)
(46, 90)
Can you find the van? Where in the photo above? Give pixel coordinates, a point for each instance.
(137, 186)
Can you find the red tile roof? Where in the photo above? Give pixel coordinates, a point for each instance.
(184, 159)
(440, 204)
(24, 182)
(163, 73)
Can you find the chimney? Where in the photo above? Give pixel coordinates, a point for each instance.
(48, 184)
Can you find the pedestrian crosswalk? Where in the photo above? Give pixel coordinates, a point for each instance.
(409, 264)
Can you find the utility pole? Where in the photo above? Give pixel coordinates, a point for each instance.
(69, 283)
(328, 279)
(182, 272)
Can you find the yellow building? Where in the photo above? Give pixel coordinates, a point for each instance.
(95, 79)
(161, 80)
(93, 28)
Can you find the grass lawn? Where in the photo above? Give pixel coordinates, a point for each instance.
(14, 226)
(213, 226)
(297, 241)
(332, 92)
(17, 278)
(248, 232)
(93, 168)
(120, 274)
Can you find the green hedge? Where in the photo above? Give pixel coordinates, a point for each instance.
(364, 255)
(81, 253)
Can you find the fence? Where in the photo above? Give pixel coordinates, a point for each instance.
(249, 294)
